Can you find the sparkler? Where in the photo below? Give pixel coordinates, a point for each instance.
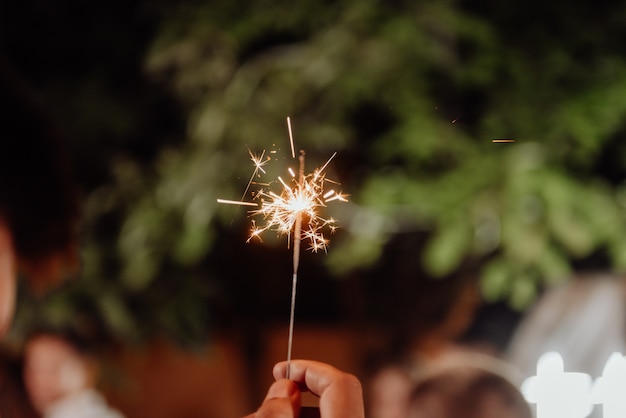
(294, 211)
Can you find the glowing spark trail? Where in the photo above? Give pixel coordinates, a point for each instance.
(294, 210)
(258, 161)
(236, 202)
(293, 151)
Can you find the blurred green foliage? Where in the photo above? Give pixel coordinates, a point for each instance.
(409, 93)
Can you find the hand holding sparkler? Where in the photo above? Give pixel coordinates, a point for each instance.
(340, 393)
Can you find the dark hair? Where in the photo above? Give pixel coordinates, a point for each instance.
(79, 342)
(38, 200)
(467, 392)
(405, 301)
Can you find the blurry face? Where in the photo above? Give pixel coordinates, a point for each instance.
(52, 370)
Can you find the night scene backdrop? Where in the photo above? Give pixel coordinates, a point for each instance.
(160, 101)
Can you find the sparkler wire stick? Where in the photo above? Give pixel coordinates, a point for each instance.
(290, 211)
(296, 262)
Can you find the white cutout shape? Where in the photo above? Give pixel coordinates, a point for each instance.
(558, 394)
(610, 388)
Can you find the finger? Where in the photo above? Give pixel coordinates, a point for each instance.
(282, 401)
(340, 393)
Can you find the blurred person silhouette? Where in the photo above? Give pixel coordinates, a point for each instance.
(38, 200)
(61, 375)
(583, 319)
(422, 319)
(38, 212)
(462, 391)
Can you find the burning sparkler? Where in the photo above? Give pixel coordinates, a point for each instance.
(294, 211)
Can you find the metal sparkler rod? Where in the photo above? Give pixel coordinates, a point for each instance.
(297, 235)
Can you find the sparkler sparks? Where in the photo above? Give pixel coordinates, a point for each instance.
(293, 212)
(259, 161)
(303, 198)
